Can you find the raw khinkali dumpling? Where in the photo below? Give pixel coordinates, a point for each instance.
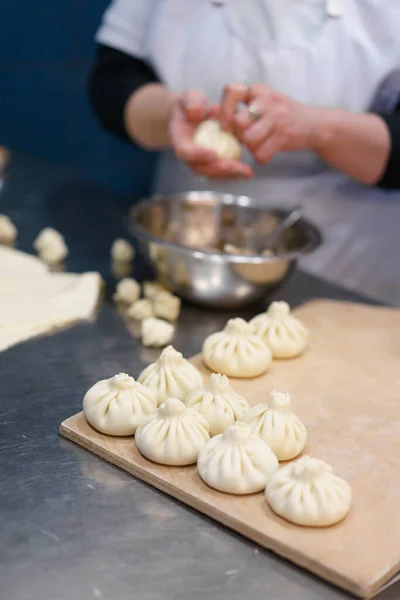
(173, 435)
(117, 406)
(276, 424)
(218, 403)
(210, 135)
(237, 461)
(50, 245)
(236, 351)
(171, 376)
(285, 335)
(306, 492)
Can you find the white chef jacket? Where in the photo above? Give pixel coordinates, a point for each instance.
(334, 53)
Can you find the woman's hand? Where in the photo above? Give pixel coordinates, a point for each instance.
(270, 123)
(189, 110)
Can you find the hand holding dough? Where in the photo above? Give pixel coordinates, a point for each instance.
(173, 435)
(236, 351)
(236, 461)
(218, 403)
(210, 135)
(285, 335)
(276, 424)
(116, 406)
(171, 376)
(306, 492)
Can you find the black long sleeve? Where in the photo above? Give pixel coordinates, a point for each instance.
(112, 79)
(391, 177)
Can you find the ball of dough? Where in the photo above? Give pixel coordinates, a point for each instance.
(8, 231)
(51, 246)
(171, 376)
(122, 251)
(152, 288)
(128, 291)
(142, 309)
(117, 406)
(167, 306)
(276, 424)
(236, 351)
(218, 403)
(173, 435)
(156, 333)
(285, 335)
(210, 135)
(306, 492)
(237, 461)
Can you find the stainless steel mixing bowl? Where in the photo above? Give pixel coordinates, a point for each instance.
(183, 236)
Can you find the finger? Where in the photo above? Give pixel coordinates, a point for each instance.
(269, 148)
(225, 169)
(189, 152)
(195, 105)
(233, 94)
(213, 111)
(255, 135)
(241, 120)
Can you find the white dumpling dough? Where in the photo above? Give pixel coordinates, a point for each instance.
(142, 309)
(237, 461)
(8, 231)
(236, 351)
(167, 306)
(128, 291)
(276, 424)
(156, 333)
(285, 335)
(51, 246)
(306, 492)
(173, 435)
(218, 403)
(117, 406)
(171, 376)
(152, 288)
(122, 251)
(210, 135)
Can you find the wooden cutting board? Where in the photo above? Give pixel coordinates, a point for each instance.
(346, 389)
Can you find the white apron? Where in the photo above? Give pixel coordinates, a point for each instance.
(336, 53)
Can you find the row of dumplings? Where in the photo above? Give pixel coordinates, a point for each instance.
(177, 420)
(244, 349)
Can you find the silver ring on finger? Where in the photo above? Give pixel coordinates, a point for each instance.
(254, 113)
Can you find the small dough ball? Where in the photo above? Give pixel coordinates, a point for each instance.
(128, 291)
(173, 435)
(117, 406)
(8, 231)
(306, 492)
(156, 333)
(285, 335)
(152, 288)
(276, 424)
(171, 376)
(167, 306)
(237, 461)
(236, 251)
(122, 251)
(218, 403)
(142, 309)
(210, 135)
(236, 351)
(51, 247)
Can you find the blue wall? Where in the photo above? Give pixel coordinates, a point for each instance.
(45, 53)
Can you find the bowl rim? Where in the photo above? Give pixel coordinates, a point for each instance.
(315, 238)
